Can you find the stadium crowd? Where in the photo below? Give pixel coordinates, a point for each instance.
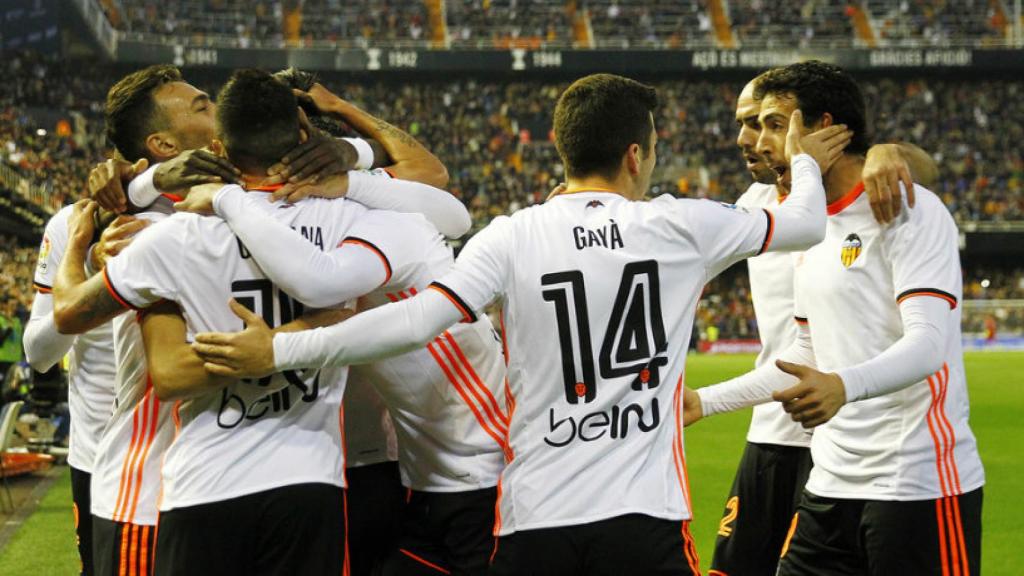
(495, 139)
(614, 23)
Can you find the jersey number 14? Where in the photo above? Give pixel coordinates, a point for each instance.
(634, 340)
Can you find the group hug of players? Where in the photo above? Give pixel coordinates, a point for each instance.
(218, 429)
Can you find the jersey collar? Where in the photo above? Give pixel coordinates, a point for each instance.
(847, 199)
(265, 188)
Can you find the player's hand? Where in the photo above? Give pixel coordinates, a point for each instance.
(884, 169)
(692, 408)
(331, 187)
(825, 145)
(325, 101)
(82, 224)
(115, 238)
(192, 168)
(815, 399)
(245, 354)
(199, 199)
(319, 157)
(107, 182)
(560, 189)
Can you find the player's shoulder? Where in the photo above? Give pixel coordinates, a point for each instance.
(758, 195)
(58, 223)
(928, 210)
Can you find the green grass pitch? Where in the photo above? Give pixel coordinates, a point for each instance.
(45, 544)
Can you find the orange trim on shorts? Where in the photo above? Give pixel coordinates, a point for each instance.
(690, 549)
(789, 535)
(423, 561)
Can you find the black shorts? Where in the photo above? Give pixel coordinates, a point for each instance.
(376, 499)
(764, 496)
(633, 544)
(80, 485)
(296, 529)
(445, 533)
(122, 549)
(877, 538)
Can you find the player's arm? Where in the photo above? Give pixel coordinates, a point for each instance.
(886, 167)
(44, 345)
(754, 387)
(177, 372)
(478, 277)
(410, 160)
(81, 303)
(724, 236)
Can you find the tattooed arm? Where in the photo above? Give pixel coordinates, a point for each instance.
(410, 159)
(80, 303)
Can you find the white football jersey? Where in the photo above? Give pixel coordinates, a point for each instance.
(254, 435)
(91, 372)
(771, 288)
(369, 433)
(126, 479)
(446, 400)
(598, 294)
(913, 444)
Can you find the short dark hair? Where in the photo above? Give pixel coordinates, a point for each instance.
(257, 119)
(819, 88)
(131, 113)
(597, 118)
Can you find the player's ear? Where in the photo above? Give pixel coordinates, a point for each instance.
(826, 120)
(162, 145)
(218, 148)
(634, 156)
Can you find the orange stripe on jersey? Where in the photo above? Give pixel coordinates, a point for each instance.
(121, 490)
(491, 401)
(768, 233)
(423, 561)
(934, 292)
(931, 417)
(42, 288)
(950, 454)
(114, 293)
(800, 321)
(370, 246)
(467, 314)
(495, 421)
(153, 423)
(465, 397)
(678, 454)
(122, 512)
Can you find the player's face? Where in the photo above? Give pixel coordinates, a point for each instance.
(774, 119)
(190, 112)
(747, 110)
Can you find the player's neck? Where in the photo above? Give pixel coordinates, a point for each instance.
(621, 185)
(843, 176)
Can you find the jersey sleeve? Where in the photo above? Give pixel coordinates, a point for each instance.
(482, 271)
(150, 268)
(51, 251)
(379, 190)
(923, 249)
(396, 239)
(724, 233)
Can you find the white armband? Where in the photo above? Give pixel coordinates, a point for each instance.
(141, 190)
(364, 151)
